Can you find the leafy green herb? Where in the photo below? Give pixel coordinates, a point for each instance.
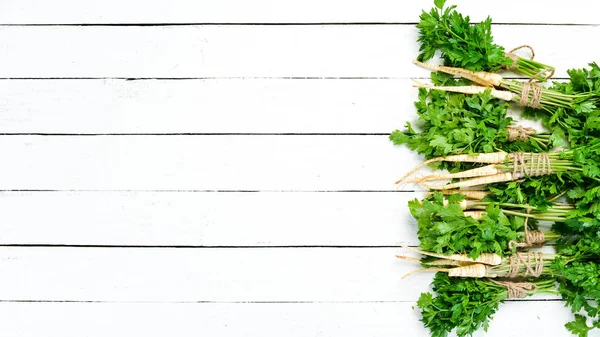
(466, 45)
(465, 129)
(462, 44)
(465, 305)
(453, 123)
(444, 229)
(578, 326)
(580, 119)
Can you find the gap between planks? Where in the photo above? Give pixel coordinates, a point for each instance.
(361, 23)
(528, 299)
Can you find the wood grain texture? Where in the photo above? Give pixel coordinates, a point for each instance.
(207, 219)
(265, 106)
(208, 274)
(259, 319)
(377, 51)
(205, 106)
(302, 163)
(229, 196)
(271, 11)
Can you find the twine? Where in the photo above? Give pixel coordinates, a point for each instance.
(518, 159)
(536, 95)
(514, 57)
(548, 72)
(539, 164)
(517, 289)
(533, 100)
(532, 262)
(530, 239)
(519, 133)
(535, 238)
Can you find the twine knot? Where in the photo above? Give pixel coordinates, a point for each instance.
(519, 133)
(531, 238)
(514, 57)
(535, 238)
(543, 75)
(517, 289)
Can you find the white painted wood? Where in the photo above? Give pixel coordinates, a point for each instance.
(302, 163)
(249, 79)
(269, 11)
(209, 274)
(205, 106)
(254, 51)
(514, 319)
(207, 219)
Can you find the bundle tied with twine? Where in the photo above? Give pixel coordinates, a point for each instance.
(519, 133)
(514, 57)
(531, 262)
(517, 289)
(522, 289)
(530, 239)
(532, 265)
(531, 95)
(543, 75)
(530, 164)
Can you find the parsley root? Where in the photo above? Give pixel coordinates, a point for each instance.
(528, 193)
(489, 158)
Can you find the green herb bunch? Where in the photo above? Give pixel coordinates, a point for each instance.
(444, 229)
(477, 242)
(579, 120)
(453, 123)
(466, 304)
(467, 45)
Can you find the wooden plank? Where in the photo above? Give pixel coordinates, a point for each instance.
(205, 106)
(301, 163)
(208, 274)
(207, 219)
(268, 11)
(253, 51)
(260, 319)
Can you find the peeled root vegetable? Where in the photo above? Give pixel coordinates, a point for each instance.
(482, 158)
(479, 77)
(476, 172)
(473, 90)
(485, 258)
(479, 181)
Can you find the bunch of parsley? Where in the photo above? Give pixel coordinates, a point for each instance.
(466, 304)
(444, 229)
(454, 123)
(581, 184)
(466, 45)
(578, 273)
(581, 120)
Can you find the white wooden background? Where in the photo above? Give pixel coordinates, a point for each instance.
(222, 168)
